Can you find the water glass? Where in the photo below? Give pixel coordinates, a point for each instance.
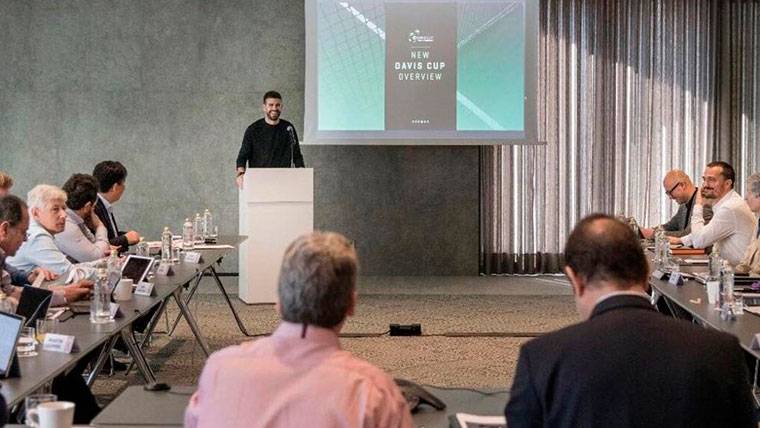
(27, 343)
(45, 326)
(32, 401)
(739, 304)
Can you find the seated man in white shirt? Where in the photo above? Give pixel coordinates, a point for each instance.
(14, 222)
(733, 222)
(77, 240)
(300, 376)
(47, 206)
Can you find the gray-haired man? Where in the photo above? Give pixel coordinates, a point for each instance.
(300, 376)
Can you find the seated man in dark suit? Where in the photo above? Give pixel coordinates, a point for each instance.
(626, 365)
(112, 180)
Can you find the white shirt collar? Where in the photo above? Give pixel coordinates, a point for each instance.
(105, 202)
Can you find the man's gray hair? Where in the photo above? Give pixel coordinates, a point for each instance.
(318, 279)
(753, 184)
(43, 194)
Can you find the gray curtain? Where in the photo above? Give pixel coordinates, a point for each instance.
(627, 90)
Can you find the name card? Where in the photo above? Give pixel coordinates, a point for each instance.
(755, 341)
(675, 278)
(657, 274)
(115, 312)
(193, 257)
(164, 269)
(144, 289)
(60, 343)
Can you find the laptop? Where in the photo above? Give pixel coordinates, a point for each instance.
(10, 328)
(136, 268)
(33, 304)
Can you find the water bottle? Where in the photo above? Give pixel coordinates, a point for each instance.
(198, 228)
(114, 270)
(659, 236)
(100, 305)
(208, 224)
(727, 291)
(187, 235)
(166, 246)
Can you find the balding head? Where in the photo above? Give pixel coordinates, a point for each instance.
(601, 249)
(678, 186)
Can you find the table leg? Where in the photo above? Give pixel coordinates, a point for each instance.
(219, 284)
(149, 330)
(185, 312)
(137, 355)
(105, 353)
(190, 295)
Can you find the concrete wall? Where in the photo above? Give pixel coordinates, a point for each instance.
(168, 87)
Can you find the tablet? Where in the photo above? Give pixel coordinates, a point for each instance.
(10, 328)
(136, 268)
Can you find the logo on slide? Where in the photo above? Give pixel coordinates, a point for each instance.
(416, 37)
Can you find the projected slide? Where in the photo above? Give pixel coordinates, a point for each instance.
(418, 72)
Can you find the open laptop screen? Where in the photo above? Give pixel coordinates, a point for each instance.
(10, 327)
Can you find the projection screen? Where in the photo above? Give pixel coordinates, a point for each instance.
(420, 72)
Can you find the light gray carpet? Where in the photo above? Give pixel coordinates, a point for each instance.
(469, 340)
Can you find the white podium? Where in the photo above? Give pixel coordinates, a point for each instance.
(276, 207)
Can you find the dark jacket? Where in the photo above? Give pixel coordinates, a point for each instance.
(115, 237)
(630, 366)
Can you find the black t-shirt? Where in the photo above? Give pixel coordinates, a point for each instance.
(270, 146)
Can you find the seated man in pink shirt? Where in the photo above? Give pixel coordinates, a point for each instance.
(300, 376)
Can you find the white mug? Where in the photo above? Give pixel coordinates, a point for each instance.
(123, 290)
(53, 414)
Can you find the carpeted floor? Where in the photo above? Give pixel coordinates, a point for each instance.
(469, 340)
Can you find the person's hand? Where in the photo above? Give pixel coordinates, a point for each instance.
(132, 237)
(675, 240)
(93, 221)
(701, 200)
(79, 290)
(647, 232)
(46, 275)
(239, 181)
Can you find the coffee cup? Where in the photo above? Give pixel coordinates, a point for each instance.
(123, 290)
(52, 414)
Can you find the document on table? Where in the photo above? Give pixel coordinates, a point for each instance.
(466, 420)
(213, 246)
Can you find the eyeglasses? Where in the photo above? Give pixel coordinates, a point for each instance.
(670, 192)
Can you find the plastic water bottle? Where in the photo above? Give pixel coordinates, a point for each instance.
(198, 228)
(142, 248)
(727, 292)
(166, 246)
(114, 271)
(659, 261)
(188, 242)
(100, 305)
(208, 224)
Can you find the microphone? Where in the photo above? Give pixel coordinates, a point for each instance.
(292, 135)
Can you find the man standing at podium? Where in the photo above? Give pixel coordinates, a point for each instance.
(269, 142)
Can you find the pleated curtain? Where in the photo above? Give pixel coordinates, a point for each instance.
(627, 90)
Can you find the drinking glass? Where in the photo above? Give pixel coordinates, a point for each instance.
(34, 400)
(26, 345)
(45, 326)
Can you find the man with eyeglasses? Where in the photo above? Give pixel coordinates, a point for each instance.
(678, 187)
(732, 224)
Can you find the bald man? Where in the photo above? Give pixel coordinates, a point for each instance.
(678, 187)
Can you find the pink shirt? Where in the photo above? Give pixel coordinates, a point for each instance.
(288, 381)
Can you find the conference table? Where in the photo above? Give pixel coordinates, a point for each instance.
(692, 297)
(167, 408)
(37, 371)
